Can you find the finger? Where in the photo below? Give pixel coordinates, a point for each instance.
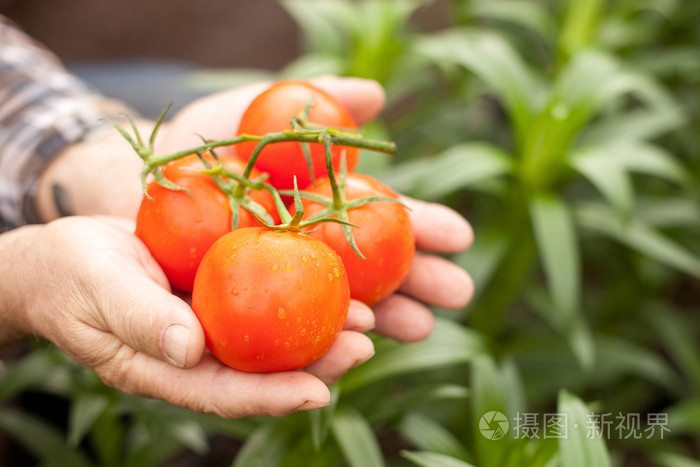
(439, 282)
(360, 317)
(403, 319)
(149, 319)
(363, 98)
(216, 116)
(348, 351)
(140, 251)
(211, 387)
(438, 228)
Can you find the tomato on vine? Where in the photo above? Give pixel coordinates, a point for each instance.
(178, 226)
(270, 301)
(382, 232)
(272, 111)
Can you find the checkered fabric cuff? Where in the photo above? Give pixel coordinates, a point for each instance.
(43, 108)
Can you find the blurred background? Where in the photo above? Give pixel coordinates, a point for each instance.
(566, 131)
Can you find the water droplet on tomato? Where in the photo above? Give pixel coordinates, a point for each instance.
(234, 291)
(275, 267)
(281, 313)
(302, 332)
(288, 267)
(336, 272)
(304, 259)
(287, 345)
(330, 277)
(193, 252)
(313, 255)
(246, 338)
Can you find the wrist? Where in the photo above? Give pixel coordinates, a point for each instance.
(97, 175)
(17, 282)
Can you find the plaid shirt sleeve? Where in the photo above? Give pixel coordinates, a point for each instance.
(43, 108)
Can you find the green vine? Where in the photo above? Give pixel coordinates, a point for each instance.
(236, 186)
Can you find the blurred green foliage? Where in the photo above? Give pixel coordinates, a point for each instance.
(568, 133)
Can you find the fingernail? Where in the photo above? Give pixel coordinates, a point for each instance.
(310, 405)
(360, 361)
(175, 342)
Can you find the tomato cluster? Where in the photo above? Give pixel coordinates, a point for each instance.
(274, 296)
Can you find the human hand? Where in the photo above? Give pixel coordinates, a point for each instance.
(431, 281)
(92, 288)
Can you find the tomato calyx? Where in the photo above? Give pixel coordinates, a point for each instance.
(337, 207)
(236, 187)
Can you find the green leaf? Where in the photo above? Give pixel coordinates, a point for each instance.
(190, 433)
(462, 166)
(618, 357)
(491, 414)
(416, 396)
(28, 372)
(266, 447)
(676, 333)
(532, 16)
(483, 257)
(86, 407)
(555, 235)
(322, 418)
(580, 25)
(607, 167)
(356, 438)
(577, 332)
(41, 439)
(633, 124)
(449, 344)
(313, 65)
(579, 445)
(325, 24)
(459, 167)
(668, 212)
(429, 435)
(433, 459)
(670, 459)
(404, 177)
(378, 36)
(639, 236)
(494, 61)
(650, 160)
(684, 417)
(606, 173)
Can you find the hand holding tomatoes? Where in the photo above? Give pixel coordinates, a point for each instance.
(384, 228)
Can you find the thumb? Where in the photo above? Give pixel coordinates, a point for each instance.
(149, 319)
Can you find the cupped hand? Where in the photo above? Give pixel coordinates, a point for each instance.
(104, 178)
(91, 287)
(433, 280)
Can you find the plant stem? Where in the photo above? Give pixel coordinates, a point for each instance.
(386, 147)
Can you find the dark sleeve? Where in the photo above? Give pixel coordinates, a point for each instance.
(43, 108)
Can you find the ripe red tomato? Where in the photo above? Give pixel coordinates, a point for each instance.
(270, 301)
(383, 234)
(179, 227)
(272, 111)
